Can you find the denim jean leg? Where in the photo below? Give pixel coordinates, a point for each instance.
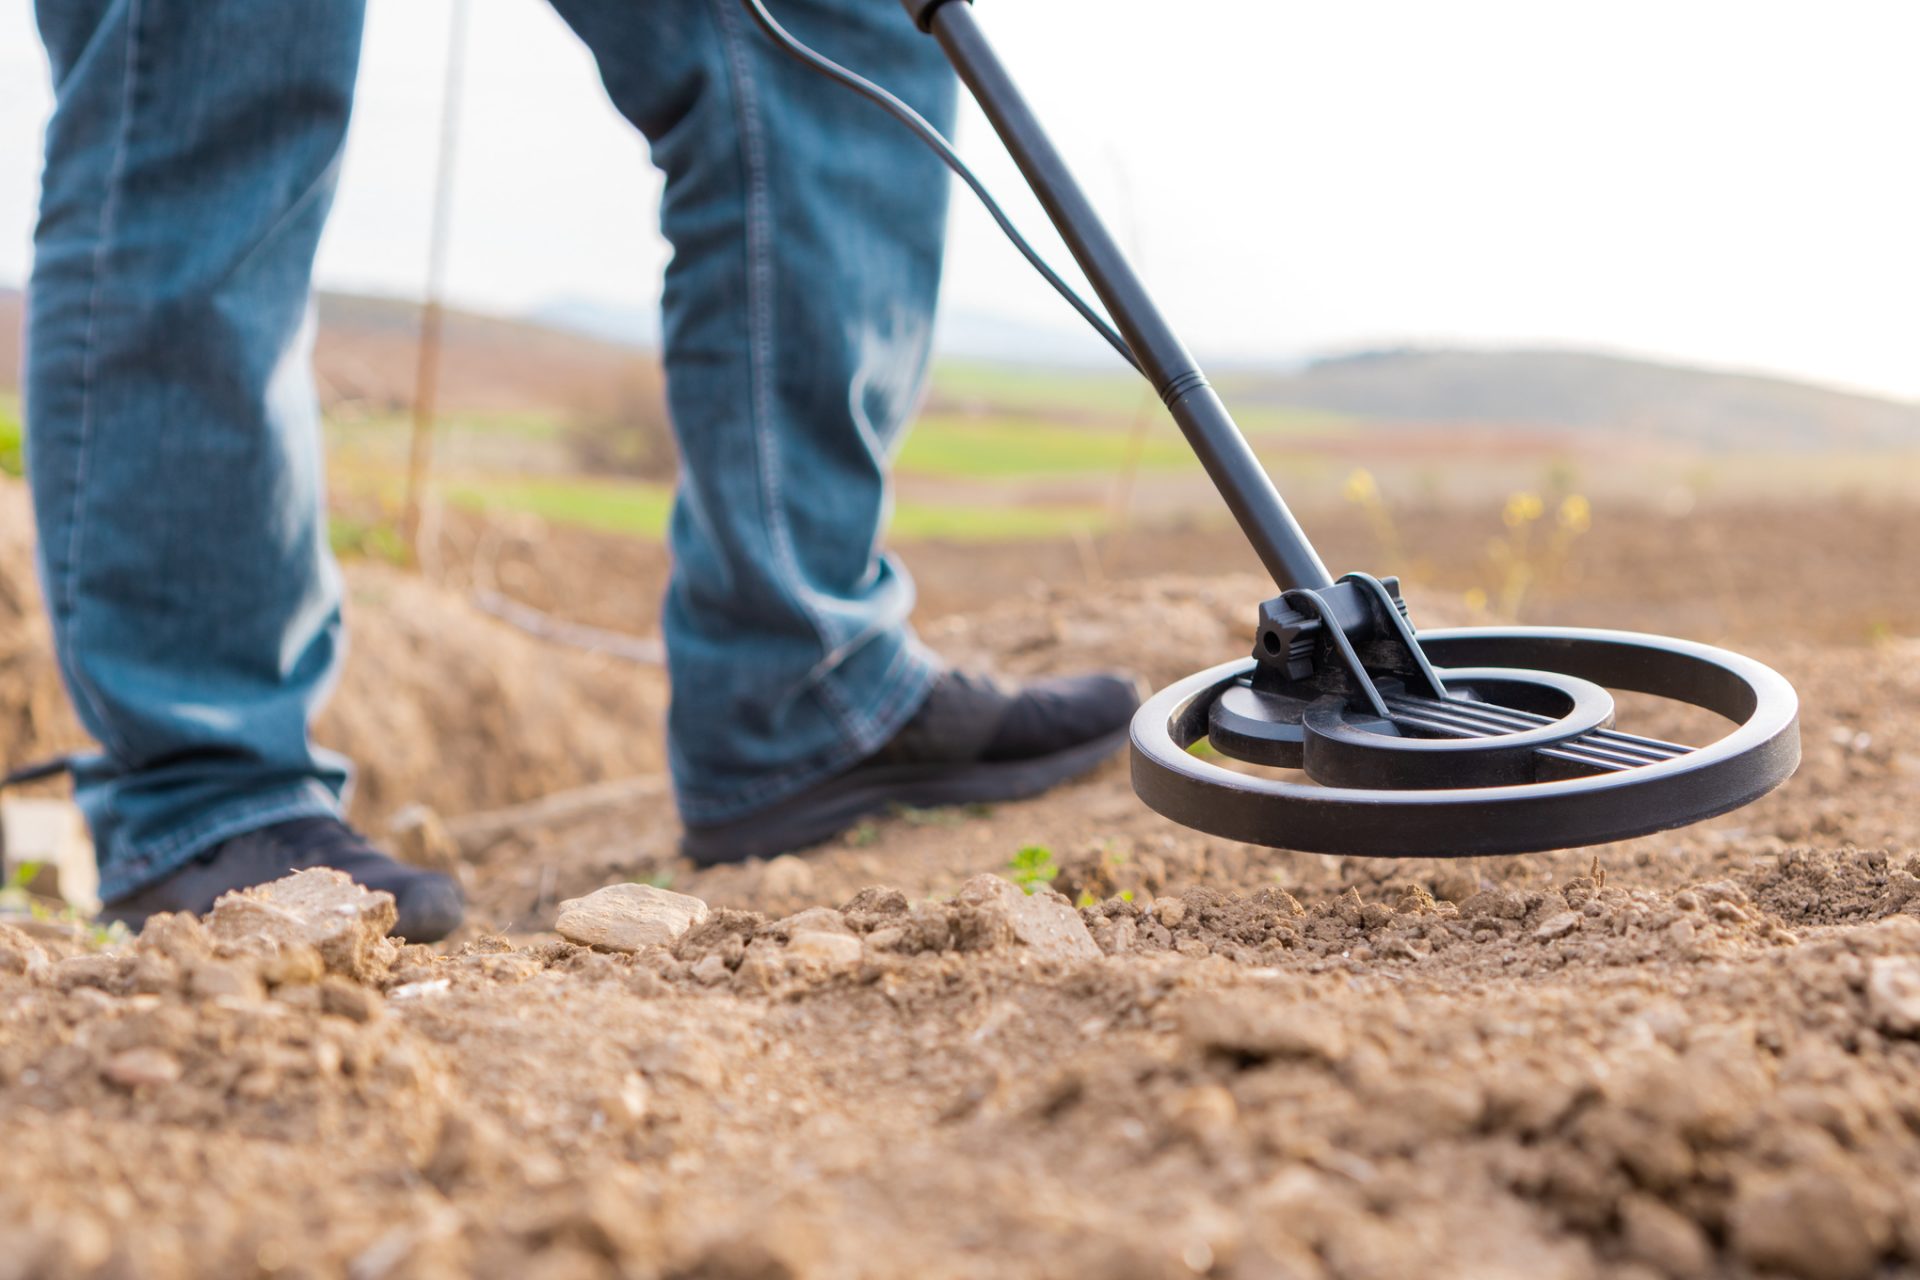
(173, 443)
(807, 230)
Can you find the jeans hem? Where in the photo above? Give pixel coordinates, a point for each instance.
(896, 700)
(153, 860)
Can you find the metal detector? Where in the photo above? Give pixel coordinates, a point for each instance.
(1484, 740)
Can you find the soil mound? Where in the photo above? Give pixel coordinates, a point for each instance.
(440, 703)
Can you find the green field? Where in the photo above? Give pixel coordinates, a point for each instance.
(639, 509)
(970, 447)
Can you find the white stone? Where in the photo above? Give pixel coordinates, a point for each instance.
(627, 917)
(1893, 995)
(142, 1068)
(1557, 926)
(319, 908)
(1044, 922)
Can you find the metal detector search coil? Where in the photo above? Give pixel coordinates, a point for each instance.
(1447, 743)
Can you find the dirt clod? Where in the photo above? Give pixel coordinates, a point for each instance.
(1043, 922)
(1812, 1223)
(317, 910)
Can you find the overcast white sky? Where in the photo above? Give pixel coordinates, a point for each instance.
(1727, 182)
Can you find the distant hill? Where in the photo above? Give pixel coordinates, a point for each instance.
(494, 364)
(1586, 392)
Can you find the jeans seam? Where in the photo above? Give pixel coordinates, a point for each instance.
(760, 343)
(68, 603)
(151, 862)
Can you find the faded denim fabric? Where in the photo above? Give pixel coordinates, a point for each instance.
(173, 439)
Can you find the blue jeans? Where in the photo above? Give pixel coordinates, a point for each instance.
(173, 438)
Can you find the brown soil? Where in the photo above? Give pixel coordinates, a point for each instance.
(1696, 1054)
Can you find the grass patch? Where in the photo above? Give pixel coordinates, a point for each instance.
(963, 445)
(353, 538)
(12, 454)
(637, 509)
(917, 521)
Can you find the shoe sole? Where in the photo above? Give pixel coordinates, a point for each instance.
(833, 807)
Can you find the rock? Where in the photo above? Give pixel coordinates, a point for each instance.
(143, 1068)
(813, 920)
(1810, 1223)
(1116, 937)
(1658, 1236)
(178, 936)
(627, 917)
(318, 908)
(787, 877)
(711, 969)
(1044, 922)
(887, 939)
(214, 979)
(1249, 1026)
(1558, 925)
(419, 838)
(18, 952)
(1169, 911)
(1893, 995)
(826, 950)
(350, 1001)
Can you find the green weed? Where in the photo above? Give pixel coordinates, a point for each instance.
(1032, 868)
(353, 538)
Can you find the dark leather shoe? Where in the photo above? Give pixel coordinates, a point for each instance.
(970, 742)
(430, 904)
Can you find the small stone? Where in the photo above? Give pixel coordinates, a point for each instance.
(1658, 1236)
(1044, 922)
(142, 1068)
(887, 939)
(216, 979)
(627, 917)
(349, 1000)
(422, 989)
(1169, 911)
(18, 952)
(419, 838)
(710, 970)
(787, 877)
(1893, 995)
(177, 936)
(319, 908)
(813, 920)
(827, 950)
(1116, 937)
(1558, 925)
